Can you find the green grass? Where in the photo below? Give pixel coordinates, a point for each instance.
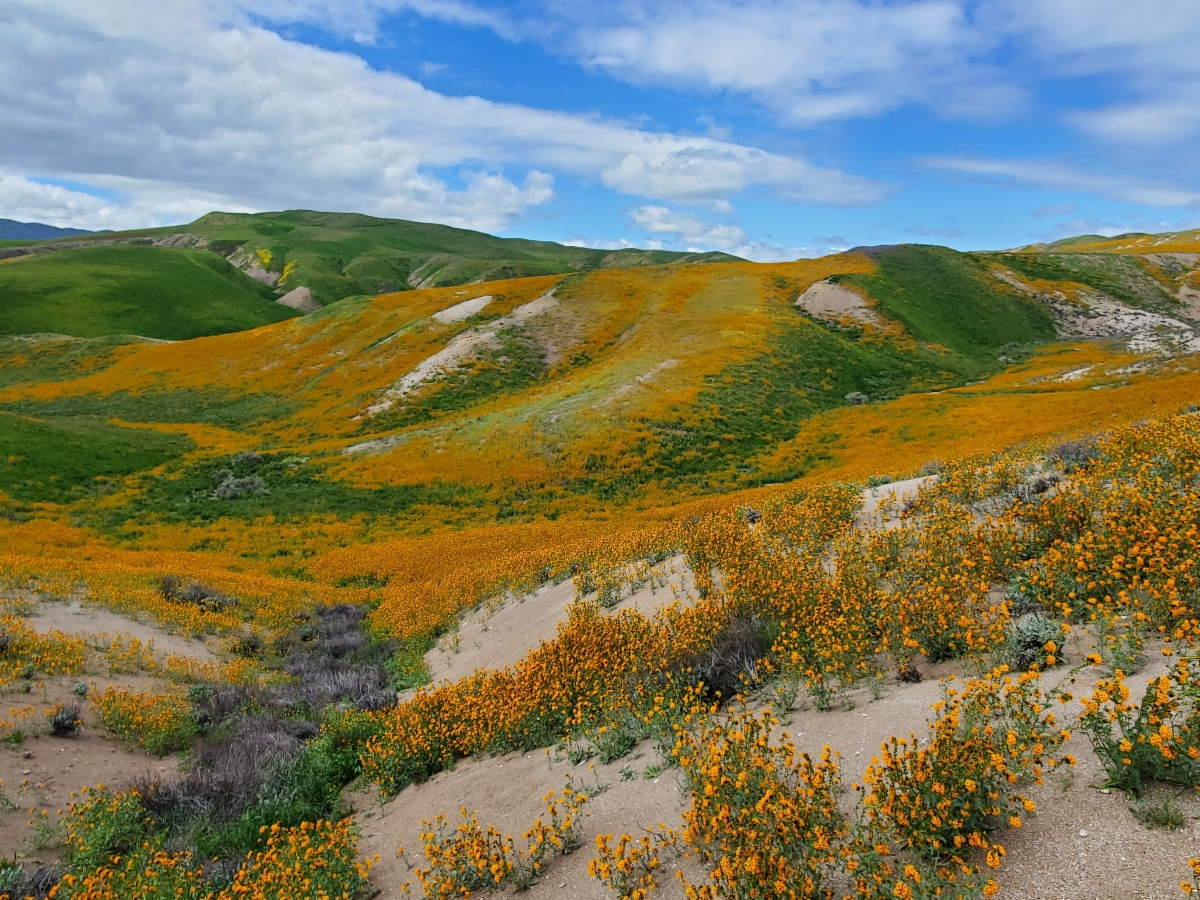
(947, 298)
(25, 360)
(177, 406)
(71, 458)
(753, 405)
(296, 489)
(149, 291)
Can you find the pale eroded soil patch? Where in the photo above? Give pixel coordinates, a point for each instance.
(834, 303)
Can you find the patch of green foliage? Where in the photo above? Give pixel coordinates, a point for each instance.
(278, 484)
(407, 663)
(513, 366)
(1124, 278)
(754, 404)
(70, 458)
(947, 298)
(176, 406)
(149, 291)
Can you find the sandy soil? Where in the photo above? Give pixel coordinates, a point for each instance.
(40, 774)
(463, 310)
(501, 638)
(74, 618)
(300, 299)
(1082, 843)
(835, 303)
(882, 505)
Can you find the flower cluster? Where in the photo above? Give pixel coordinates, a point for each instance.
(162, 722)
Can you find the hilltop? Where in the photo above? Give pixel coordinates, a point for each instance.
(11, 230)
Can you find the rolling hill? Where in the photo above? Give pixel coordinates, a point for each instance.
(479, 535)
(532, 396)
(11, 230)
(151, 292)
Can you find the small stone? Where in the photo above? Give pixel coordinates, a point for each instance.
(24, 771)
(1105, 791)
(1083, 832)
(28, 754)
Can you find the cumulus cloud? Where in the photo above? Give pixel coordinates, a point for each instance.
(811, 60)
(191, 100)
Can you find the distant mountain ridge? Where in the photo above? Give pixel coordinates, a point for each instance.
(12, 230)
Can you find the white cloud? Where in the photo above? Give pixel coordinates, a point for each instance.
(819, 60)
(697, 235)
(1055, 176)
(810, 60)
(28, 200)
(175, 101)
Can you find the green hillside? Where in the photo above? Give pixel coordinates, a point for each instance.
(338, 255)
(121, 289)
(948, 298)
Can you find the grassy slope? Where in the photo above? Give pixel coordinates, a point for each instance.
(947, 298)
(147, 291)
(62, 460)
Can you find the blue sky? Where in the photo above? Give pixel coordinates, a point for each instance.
(768, 129)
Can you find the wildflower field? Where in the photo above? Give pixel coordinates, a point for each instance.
(325, 513)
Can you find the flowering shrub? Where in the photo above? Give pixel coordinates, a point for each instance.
(630, 867)
(313, 860)
(1157, 739)
(162, 722)
(24, 651)
(761, 814)
(466, 857)
(947, 796)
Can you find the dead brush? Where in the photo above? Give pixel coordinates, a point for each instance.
(731, 663)
(1075, 455)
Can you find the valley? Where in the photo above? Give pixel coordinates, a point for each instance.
(694, 543)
